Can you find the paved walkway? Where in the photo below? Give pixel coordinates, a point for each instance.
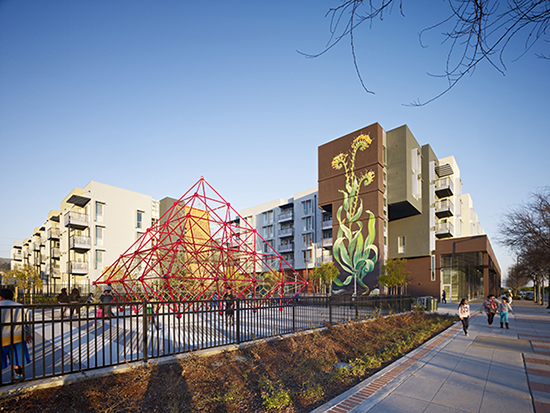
(491, 370)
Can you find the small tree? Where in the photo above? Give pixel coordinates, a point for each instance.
(326, 273)
(26, 277)
(394, 276)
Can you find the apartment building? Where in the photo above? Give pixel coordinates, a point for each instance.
(294, 227)
(418, 210)
(91, 228)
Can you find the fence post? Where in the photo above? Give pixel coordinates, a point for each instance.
(238, 320)
(145, 331)
(356, 308)
(330, 309)
(294, 315)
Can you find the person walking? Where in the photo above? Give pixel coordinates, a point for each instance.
(63, 301)
(106, 298)
(229, 307)
(490, 306)
(74, 299)
(444, 297)
(14, 338)
(503, 309)
(464, 314)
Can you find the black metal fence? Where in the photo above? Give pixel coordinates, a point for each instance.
(81, 337)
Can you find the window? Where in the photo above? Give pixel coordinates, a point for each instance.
(99, 232)
(268, 247)
(433, 268)
(401, 245)
(268, 217)
(268, 231)
(139, 219)
(307, 207)
(327, 234)
(307, 256)
(308, 240)
(308, 223)
(99, 206)
(99, 258)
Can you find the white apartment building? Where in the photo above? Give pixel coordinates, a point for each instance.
(455, 214)
(92, 228)
(295, 227)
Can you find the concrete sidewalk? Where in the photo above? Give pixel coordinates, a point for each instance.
(491, 370)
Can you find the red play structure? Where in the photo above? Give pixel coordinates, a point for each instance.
(200, 249)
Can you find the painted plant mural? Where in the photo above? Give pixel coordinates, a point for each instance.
(355, 254)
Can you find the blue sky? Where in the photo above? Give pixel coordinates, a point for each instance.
(149, 96)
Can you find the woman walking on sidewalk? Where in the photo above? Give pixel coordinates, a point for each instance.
(503, 309)
(464, 314)
(490, 307)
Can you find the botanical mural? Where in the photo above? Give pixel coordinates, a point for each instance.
(356, 254)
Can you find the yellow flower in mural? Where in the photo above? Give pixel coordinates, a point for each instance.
(339, 161)
(362, 142)
(356, 254)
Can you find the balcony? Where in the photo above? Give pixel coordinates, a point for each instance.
(55, 253)
(286, 247)
(327, 224)
(444, 209)
(444, 187)
(81, 243)
(76, 220)
(286, 216)
(444, 230)
(36, 246)
(53, 233)
(79, 268)
(288, 263)
(327, 242)
(55, 273)
(17, 255)
(327, 258)
(287, 232)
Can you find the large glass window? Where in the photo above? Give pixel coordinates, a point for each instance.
(308, 223)
(139, 219)
(401, 245)
(268, 217)
(99, 233)
(307, 207)
(99, 258)
(99, 207)
(268, 231)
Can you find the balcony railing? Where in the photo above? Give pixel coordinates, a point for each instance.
(286, 247)
(17, 256)
(444, 208)
(286, 216)
(327, 242)
(53, 233)
(327, 258)
(55, 253)
(444, 187)
(327, 224)
(76, 220)
(444, 230)
(79, 242)
(289, 263)
(287, 232)
(79, 268)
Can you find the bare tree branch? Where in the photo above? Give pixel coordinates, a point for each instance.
(481, 30)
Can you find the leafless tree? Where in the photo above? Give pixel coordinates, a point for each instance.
(526, 231)
(476, 31)
(517, 278)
